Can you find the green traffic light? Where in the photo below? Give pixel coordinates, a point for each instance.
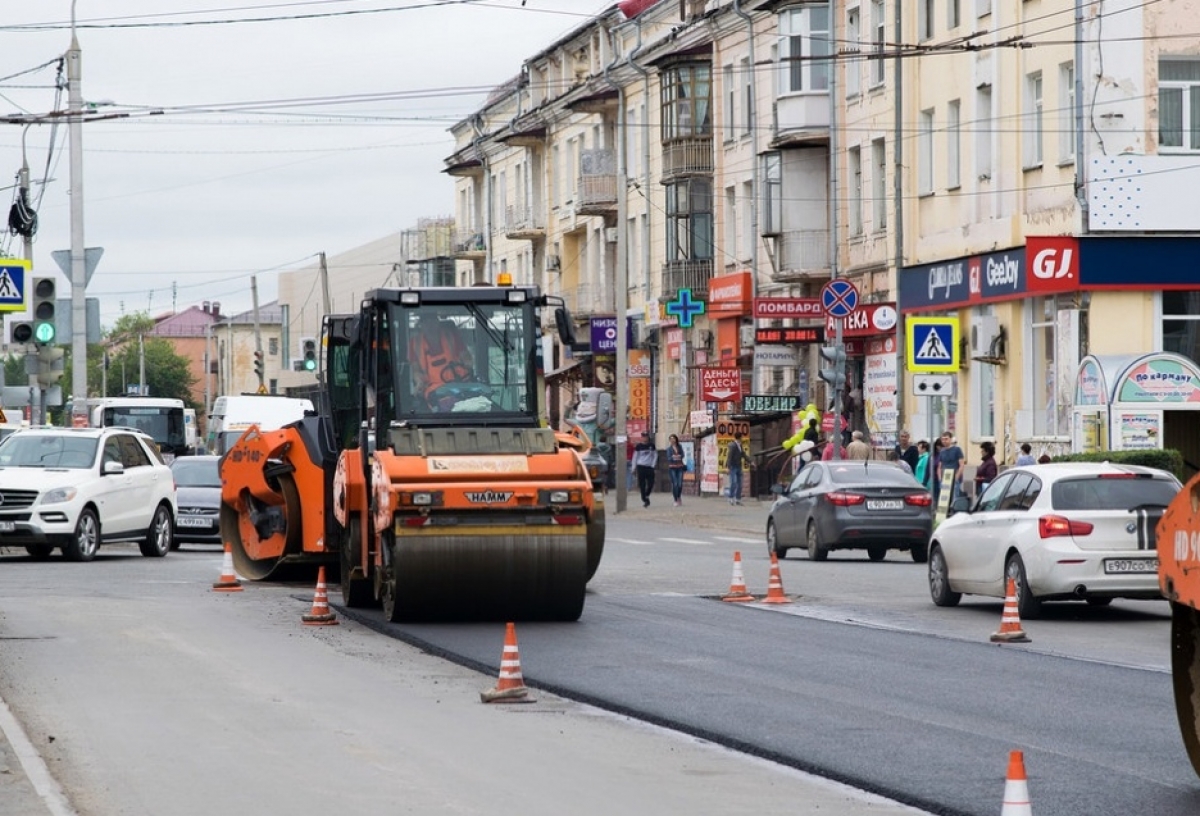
(44, 332)
(310, 365)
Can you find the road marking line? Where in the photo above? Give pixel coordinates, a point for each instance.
(740, 540)
(688, 541)
(636, 541)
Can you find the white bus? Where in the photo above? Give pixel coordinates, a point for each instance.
(159, 417)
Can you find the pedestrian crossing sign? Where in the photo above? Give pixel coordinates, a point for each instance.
(13, 274)
(932, 344)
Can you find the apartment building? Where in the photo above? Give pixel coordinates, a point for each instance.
(1017, 170)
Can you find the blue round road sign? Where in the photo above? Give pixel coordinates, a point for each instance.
(839, 297)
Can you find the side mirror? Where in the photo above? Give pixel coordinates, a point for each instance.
(112, 468)
(566, 329)
(778, 489)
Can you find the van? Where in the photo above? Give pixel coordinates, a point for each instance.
(232, 415)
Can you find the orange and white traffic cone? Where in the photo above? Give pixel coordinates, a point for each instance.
(775, 585)
(511, 686)
(1016, 788)
(320, 614)
(737, 587)
(1010, 620)
(228, 582)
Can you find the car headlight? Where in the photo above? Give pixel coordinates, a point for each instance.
(59, 495)
(559, 497)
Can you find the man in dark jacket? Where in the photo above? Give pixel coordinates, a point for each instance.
(645, 459)
(907, 451)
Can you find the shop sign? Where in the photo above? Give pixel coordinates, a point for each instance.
(865, 321)
(720, 384)
(788, 308)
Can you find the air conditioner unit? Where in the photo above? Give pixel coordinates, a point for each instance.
(553, 263)
(610, 234)
(987, 340)
(746, 336)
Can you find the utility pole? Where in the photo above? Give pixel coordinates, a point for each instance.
(31, 360)
(258, 350)
(78, 267)
(325, 288)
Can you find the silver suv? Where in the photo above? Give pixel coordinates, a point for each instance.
(78, 488)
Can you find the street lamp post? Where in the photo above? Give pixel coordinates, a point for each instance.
(78, 267)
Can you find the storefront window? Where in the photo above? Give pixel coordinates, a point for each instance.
(1057, 327)
(1181, 323)
(983, 394)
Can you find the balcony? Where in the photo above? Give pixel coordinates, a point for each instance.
(801, 119)
(524, 224)
(690, 274)
(597, 183)
(470, 245)
(691, 156)
(594, 299)
(803, 255)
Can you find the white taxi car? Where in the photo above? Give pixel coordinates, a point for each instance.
(1063, 531)
(79, 488)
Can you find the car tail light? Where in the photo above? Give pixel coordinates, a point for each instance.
(845, 499)
(1051, 526)
(918, 499)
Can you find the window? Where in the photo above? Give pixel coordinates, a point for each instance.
(730, 103)
(804, 48)
(1181, 323)
(925, 153)
(273, 346)
(1066, 112)
(748, 237)
(689, 220)
(925, 20)
(854, 199)
(747, 97)
(983, 132)
(1033, 120)
(731, 218)
(878, 41)
(953, 13)
(954, 144)
(854, 42)
(1179, 104)
(1054, 361)
(686, 96)
(983, 391)
(879, 198)
(771, 217)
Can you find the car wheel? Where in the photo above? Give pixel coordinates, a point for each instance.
(939, 580)
(39, 552)
(1028, 607)
(1099, 601)
(773, 541)
(877, 553)
(84, 542)
(160, 535)
(816, 551)
(920, 553)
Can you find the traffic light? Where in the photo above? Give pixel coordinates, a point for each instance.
(50, 365)
(20, 332)
(308, 352)
(258, 365)
(43, 310)
(835, 375)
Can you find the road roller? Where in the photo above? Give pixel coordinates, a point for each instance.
(428, 477)
(1178, 535)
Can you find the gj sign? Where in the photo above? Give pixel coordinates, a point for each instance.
(720, 384)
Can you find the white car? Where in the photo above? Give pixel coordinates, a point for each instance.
(1061, 531)
(78, 488)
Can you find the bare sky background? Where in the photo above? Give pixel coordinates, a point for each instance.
(288, 128)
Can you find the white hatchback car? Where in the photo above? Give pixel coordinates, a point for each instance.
(1061, 531)
(78, 488)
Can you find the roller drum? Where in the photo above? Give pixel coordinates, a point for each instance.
(510, 576)
(1185, 670)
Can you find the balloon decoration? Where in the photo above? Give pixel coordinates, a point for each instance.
(803, 418)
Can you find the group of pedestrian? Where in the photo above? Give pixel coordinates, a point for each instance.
(929, 464)
(645, 463)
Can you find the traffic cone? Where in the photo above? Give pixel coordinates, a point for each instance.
(737, 587)
(1010, 620)
(1016, 788)
(228, 582)
(320, 615)
(775, 585)
(511, 686)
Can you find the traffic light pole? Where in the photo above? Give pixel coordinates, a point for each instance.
(78, 265)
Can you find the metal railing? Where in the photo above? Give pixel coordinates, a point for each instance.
(804, 252)
(687, 274)
(691, 156)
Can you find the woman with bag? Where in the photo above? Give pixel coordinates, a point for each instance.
(676, 466)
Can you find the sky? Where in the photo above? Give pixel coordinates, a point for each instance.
(247, 136)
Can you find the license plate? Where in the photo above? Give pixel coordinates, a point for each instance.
(8, 526)
(884, 504)
(186, 521)
(1119, 565)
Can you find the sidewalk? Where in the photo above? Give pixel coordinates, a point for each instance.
(707, 511)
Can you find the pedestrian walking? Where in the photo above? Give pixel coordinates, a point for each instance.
(951, 460)
(1026, 457)
(922, 471)
(645, 459)
(676, 467)
(985, 474)
(907, 451)
(735, 460)
(858, 449)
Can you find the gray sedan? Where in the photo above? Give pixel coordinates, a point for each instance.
(851, 504)
(198, 483)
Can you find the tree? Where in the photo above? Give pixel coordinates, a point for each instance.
(167, 373)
